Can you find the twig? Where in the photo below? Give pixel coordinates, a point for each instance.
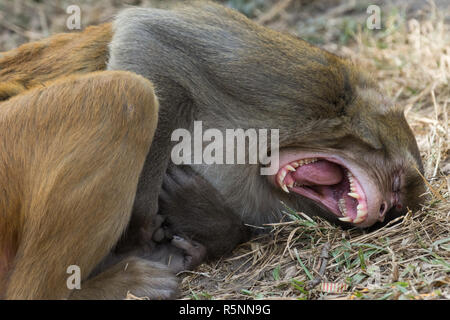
(16, 29)
(12, 27)
(274, 11)
(323, 265)
(43, 21)
(436, 194)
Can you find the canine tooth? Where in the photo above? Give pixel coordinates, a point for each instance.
(360, 216)
(359, 219)
(280, 181)
(290, 168)
(346, 219)
(285, 189)
(281, 177)
(353, 195)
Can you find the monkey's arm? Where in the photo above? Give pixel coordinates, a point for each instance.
(195, 211)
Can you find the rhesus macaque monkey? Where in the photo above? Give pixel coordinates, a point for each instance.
(346, 153)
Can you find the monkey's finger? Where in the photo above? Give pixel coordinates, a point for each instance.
(195, 253)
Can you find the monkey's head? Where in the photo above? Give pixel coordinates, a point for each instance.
(346, 152)
(355, 158)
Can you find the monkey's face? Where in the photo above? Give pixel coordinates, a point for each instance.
(367, 172)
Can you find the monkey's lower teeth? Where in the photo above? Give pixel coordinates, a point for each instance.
(342, 207)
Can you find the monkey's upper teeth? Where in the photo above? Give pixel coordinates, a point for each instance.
(353, 195)
(280, 177)
(302, 162)
(290, 168)
(351, 180)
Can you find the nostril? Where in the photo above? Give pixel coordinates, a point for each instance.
(382, 209)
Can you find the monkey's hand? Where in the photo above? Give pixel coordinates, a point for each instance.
(191, 208)
(178, 253)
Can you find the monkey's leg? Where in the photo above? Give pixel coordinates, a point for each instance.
(89, 137)
(197, 221)
(135, 275)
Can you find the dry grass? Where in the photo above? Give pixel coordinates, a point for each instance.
(407, 260)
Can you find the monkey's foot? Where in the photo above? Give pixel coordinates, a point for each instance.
(133, 277)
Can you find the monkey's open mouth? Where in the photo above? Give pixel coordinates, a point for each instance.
(328, 183)
(340, 186)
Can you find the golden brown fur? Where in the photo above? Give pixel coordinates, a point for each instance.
(71, 154)
(34, 63)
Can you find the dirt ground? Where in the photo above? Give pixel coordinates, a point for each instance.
(410, 58)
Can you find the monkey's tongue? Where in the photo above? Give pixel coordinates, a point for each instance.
(318, 173)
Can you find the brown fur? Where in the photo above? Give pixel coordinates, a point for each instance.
(72, 151)
(34, 63)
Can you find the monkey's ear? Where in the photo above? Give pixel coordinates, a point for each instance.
(9, 89)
